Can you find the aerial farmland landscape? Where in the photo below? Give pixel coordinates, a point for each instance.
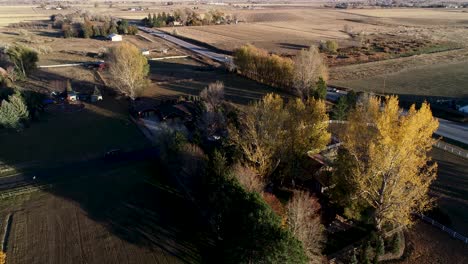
(233, 131)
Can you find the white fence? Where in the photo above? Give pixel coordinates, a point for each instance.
(451, 232)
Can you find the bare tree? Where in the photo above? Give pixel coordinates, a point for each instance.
(129, 69)
(248, 178)
(304, 223)
(213, 95)
(308, 68)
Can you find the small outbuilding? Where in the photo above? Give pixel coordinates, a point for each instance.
(145, 52)
(114, 37)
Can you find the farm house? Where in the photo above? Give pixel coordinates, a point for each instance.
(114, 37)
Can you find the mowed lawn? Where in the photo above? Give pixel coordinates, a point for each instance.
(112, 216)
(448, 80)
(60, 136)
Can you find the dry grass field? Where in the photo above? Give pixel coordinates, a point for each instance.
(447, 80)
(182, 77)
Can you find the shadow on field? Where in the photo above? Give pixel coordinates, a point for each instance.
(69, 148)
(292, 46)
(187, 78)
(152, 216)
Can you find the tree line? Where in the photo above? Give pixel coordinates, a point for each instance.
(304, 76)
(187, 17)
(85, 25)
(89, 29)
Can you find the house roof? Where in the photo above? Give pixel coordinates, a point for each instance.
(113, 35)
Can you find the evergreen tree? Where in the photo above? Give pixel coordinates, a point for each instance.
(13, 111)
(340, 109)
(320, 91)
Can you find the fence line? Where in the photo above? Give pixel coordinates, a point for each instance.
(451, 232)
(449, 148)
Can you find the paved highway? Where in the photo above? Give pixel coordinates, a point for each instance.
(197, 49)
(453, 130)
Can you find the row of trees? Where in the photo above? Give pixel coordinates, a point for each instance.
(259, 65)
(186, 17)
(89, 29)
(305, 76)
(273, 134)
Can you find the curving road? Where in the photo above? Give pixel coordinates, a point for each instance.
(194, 48)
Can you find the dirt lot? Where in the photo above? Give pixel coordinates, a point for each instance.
(111, 217)
(425, 244)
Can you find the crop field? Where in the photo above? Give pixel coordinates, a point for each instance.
(287, 30)
(283, 31)
(447, 80)
(112, 216)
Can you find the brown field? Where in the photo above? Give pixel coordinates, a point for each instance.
(443, 79)
(182, 77)
(112, 216)
(287, 30)
(426, 244)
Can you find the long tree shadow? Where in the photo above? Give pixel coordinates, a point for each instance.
(113, 192)
(153, 216)
(187, 78)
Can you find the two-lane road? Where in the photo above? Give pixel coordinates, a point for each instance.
(194, 48)
(453, 130)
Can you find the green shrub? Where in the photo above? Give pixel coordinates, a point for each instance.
(395, 246)
(251, 232)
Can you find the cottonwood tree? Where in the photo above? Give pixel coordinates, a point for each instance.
(306, 131)
(271, 131)
(309, 67)
(213, 95)
(304, 222)
(386, 158)
(23, 58)
(129, 69)
(260, 133)
(212, 120)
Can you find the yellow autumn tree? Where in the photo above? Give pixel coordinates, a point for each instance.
(260, 133)
(129, 69)
(387, 160)
(271, 132)
(2, 257)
